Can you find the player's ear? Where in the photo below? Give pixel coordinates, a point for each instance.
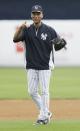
(31, 15)
(41, 15)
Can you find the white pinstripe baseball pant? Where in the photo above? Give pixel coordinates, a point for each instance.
(35, 77)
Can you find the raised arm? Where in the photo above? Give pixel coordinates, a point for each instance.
(19, 34)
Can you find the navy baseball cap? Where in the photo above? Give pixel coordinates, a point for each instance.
(37, 8)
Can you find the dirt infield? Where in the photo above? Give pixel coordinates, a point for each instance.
(26, 109)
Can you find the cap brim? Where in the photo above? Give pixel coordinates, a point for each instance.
(36, 11)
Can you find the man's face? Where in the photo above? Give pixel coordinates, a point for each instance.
(36, 17)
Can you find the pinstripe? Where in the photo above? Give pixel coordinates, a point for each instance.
(34, 77)
(44, 78)
(32, 81)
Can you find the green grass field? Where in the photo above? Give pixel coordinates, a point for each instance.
(28, 126)
(65, 83)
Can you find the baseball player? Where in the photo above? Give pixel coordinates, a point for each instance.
(39, 40)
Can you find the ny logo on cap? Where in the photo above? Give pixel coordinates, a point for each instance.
(36, 7)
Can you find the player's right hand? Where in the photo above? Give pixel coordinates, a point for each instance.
(23, 25)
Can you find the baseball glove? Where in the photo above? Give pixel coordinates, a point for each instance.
(59, 43)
